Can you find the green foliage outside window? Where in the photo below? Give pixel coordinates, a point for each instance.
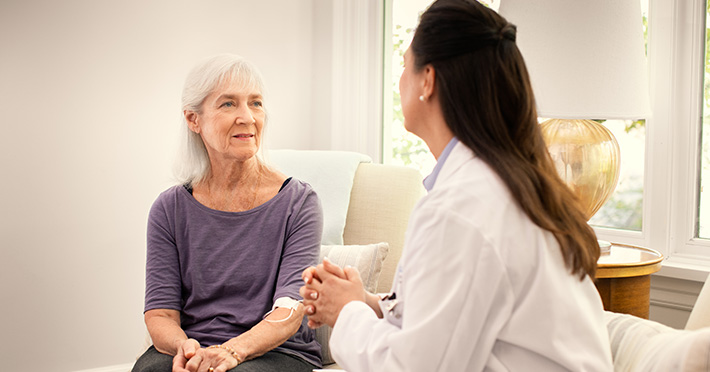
(407, 149)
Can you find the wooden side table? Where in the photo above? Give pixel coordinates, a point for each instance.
(624, 278)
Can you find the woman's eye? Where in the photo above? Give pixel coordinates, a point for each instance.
(227, 104)
(258, 104)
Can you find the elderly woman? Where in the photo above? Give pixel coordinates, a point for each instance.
(498, 261)
(227, 245)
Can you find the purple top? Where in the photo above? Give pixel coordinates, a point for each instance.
(224, 270)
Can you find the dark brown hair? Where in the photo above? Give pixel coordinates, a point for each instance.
(488, 104)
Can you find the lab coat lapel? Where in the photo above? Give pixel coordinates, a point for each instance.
(459, 155)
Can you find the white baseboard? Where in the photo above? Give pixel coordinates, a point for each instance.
(116, 368)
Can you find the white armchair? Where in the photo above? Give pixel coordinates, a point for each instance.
(381, 201)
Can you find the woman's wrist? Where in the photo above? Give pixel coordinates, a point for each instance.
(177, 344)
(373, 301)
(231, 352)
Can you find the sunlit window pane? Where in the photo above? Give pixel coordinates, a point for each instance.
(624, 209)
(407, 149)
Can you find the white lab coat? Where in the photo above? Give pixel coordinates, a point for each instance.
(479, 288)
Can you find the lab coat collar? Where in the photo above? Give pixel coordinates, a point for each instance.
(460, 154)
(430, 180)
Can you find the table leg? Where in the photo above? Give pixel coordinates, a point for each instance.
(630, 295)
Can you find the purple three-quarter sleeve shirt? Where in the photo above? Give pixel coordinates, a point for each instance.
(224, 270)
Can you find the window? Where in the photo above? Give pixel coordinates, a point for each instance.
(624, 209)
(401, 147)
(661, 200)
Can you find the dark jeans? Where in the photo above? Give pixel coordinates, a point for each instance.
(273, 361)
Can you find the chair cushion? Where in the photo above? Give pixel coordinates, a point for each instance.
(643, 345)
(367, 259)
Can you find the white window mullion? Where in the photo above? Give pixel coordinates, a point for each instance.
(660, 126)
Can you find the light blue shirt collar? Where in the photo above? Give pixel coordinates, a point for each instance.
(430, 180)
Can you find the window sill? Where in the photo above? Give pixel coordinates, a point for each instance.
(686, 268)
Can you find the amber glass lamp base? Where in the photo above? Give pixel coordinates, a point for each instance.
(586, 156)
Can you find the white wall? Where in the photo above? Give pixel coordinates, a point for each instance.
(322, 90)
(672, 300)
(89, 95)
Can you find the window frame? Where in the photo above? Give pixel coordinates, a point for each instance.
(673, 134)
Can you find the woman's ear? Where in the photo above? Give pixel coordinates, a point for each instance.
(191, 118)
(429, 81)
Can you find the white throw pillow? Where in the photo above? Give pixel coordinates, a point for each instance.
(367, 259)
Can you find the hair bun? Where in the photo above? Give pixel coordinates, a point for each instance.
(508, 32)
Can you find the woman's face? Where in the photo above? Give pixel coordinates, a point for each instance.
(410, 88)
(231, 122)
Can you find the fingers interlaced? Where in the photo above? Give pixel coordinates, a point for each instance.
(352, 274)
(309, 274)
(315, 279)
(332, 268)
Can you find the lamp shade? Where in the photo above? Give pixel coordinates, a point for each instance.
(586, 58)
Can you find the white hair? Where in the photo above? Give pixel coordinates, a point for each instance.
(193, 163)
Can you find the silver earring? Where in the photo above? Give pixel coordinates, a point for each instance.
(421, 98)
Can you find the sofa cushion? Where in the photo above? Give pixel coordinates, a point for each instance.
(367, 259)
(643, 345)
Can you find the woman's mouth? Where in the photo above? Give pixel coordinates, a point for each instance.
(243, 136)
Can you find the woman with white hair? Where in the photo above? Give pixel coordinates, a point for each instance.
(227, 245)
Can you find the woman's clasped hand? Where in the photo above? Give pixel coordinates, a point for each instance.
(192, 358)
(327, 289)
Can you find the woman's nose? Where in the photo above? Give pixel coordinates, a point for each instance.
(244, 114)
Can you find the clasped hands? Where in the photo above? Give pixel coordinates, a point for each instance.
(192, 358)
(327, 289)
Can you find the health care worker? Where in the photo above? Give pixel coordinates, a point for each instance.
(498, 258)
